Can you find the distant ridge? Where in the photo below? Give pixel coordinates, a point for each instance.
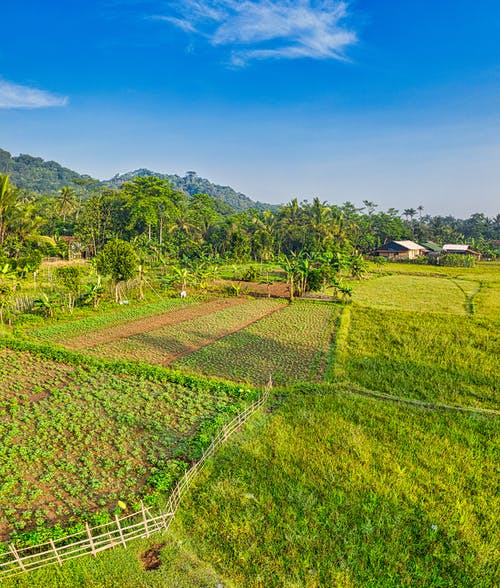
(47, 177)
(191, 183)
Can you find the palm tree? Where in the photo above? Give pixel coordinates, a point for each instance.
(66, 202)
(8, 197)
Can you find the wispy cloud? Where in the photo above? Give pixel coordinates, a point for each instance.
(268, 29)
(17, 96)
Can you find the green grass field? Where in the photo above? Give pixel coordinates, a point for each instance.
(329, 490)
(438, 358)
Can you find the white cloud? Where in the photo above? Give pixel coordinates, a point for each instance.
(269, 29)
(17, 96)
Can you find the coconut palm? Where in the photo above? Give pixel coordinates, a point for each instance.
(8, 197)
(66, 202)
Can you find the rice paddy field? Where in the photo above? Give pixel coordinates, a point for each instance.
(326, 487)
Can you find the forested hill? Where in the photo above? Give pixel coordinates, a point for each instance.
(191, 183)
(35, 174)
(47, 177)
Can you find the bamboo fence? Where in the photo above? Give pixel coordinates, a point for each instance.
(140, 524)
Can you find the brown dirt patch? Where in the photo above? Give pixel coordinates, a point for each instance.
(151, 559)
(274, 290)
(150, 323)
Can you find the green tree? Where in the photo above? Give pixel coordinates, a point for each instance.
(70, 278)
(66, 202)
(8, 197)
(118, 260)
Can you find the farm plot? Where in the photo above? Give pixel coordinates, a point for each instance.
(152, 323)
(291, 345)
(161, 346)
(415, 294)
(74, 441)
(438, 358)
(62, 331)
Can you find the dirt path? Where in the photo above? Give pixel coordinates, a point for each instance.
(211, 340)
(149, 324)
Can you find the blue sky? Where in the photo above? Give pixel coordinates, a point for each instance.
(397, 102)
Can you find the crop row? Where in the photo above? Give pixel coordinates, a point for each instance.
(160, 345)
(291, 345)
(73, 327)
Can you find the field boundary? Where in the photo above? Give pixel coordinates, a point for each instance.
(140, 524)
(351, 389)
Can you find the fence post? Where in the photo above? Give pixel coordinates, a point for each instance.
(58, 557)
(124, 543)
(16, 555)
(144, 518)
(91, 540)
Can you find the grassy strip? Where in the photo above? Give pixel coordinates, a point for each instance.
(349, 388)
(335, 369)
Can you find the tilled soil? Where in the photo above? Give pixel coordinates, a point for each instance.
(149, 324)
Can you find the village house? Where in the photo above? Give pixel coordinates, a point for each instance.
(460, 249)
(400, 250)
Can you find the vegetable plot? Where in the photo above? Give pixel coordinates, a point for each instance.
(291, 345)
(160, 346)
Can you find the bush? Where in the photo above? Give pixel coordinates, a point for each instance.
(251, 275)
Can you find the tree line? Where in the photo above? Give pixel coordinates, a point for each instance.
(161, 222)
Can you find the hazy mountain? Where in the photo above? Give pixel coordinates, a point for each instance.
(37, 175)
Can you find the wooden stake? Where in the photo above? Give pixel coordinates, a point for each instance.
(58, 557)
(91, 540)
(145, 519)
(120, 531)
(16, 555)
